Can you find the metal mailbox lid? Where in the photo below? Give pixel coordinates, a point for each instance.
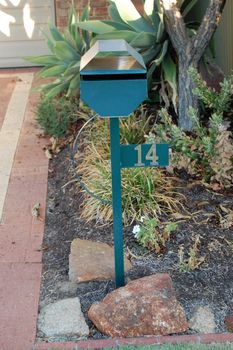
(112, 57)
(113, 78)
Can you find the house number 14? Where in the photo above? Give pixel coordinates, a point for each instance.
(151, 156)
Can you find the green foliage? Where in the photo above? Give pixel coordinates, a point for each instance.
(152, 234)
(55, 116)
(64, 61)
(217, 102)
(207, 153)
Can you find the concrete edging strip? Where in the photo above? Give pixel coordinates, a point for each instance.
(10, 131)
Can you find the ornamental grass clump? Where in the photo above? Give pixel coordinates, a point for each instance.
(145, 191)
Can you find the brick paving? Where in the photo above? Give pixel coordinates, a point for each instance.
(21, 234)
(21, 237)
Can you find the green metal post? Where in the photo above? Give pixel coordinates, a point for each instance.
(116, 201)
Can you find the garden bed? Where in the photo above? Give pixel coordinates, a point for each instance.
(211, 284)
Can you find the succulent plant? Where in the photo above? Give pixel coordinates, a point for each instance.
(64, 61)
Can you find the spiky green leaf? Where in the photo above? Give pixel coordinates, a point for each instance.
(151, 53)
(101, 27)
(72, 69)
(72, 19)
(58, 89)
(45, 60)
(85, 13)
(170, 75)
(52, 71)
(131, 16)
(143, 40)
(160, 29)
(128, 35)
(70, 39)
(150, 72)
(114, 14)
(74, 85)
(189, 7)
(65, 52)
(162, 54)
(55, 34)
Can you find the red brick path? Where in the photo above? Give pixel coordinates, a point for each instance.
(21, 237)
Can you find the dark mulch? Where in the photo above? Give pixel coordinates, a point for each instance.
(211, 284)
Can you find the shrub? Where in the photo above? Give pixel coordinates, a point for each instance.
(55, 116)
(216, 102)
(207, 153)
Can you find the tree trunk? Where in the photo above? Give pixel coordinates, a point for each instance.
(186, 97)
(189, 50)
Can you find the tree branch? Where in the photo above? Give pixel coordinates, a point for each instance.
(175, 26)
(207, 28)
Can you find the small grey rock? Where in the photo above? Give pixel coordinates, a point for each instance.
(63, 317)
(203, 320)
(67, 287)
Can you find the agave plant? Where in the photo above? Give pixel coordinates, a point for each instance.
(64, 61)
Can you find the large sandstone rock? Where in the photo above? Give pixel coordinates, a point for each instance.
(89, 261)
(63, 318)
(146, 306)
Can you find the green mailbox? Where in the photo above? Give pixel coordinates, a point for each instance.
(113, 78)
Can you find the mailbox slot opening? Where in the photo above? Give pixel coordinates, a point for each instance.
(127, 76)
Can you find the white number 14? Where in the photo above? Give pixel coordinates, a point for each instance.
(151, 155)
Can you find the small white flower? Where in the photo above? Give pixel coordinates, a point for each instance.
(222, 127)
(136, 231)
(142, 218)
